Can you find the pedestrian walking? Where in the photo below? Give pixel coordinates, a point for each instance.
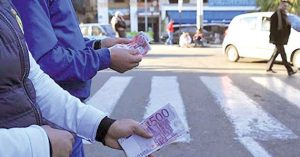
(280, 29)
(170, 31)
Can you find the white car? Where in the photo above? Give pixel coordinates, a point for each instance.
(248, 36)
(97, 31)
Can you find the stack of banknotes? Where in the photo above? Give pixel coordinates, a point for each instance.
(140, 42)
(165, 126)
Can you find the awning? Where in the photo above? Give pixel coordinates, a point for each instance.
(186, 17)
(220, 16)
(210, 16)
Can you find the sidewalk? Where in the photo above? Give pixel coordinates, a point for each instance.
(176, 45)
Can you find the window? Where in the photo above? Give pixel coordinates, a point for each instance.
(96, 31)
(84, 30)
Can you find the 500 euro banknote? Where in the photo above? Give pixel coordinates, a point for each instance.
(164, 125)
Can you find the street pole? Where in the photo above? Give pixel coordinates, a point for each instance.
(152, 21)
(102, 11)
(146, 16)
(180, 3)
(199, 14)
(180, 21)
(133, 16)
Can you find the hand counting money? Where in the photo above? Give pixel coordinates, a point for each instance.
(140, 42)
(164, 125)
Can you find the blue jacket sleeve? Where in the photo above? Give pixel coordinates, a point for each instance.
(54, 38)
(70, 65)
(89, 43)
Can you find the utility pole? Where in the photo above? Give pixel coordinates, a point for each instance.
(199, 14)
(133, 16)
(146, 16)
(180, 3)
(102, 11)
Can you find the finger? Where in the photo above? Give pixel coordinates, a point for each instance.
(72, 137)
(134, 65)
(138, 130)
(123, 41)
(150, 155)
(113, 144)
(134, 52)
(136, 59)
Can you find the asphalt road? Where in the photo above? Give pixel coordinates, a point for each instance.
(232, 109)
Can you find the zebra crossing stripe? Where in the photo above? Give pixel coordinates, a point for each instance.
(165, 90)
(277, 86)
(248, 118)
(254, 148)
(107, 97)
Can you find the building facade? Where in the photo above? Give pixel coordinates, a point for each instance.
(152, 16)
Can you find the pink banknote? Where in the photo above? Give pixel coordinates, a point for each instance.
(164, 125)
(139, 42)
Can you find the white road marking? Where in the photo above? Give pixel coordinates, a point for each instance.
(107, 97)
(248, 118)
(254, 148)
(165, 90)
(277, 86)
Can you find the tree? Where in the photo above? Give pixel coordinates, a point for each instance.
(267, 5)
(271, 5)
(296, 7)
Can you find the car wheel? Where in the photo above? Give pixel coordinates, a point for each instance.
(232, 54)
(296, 59)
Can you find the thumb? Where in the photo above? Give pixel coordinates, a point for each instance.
(136, 58)
(138, 130)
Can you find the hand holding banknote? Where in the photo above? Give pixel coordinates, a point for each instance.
(109, 42)
(124, 128)
(127, 56)
(139, 42)
(122, 60)
(165, 127)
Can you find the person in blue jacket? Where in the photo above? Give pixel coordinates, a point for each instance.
(30, 99)
(54, 38)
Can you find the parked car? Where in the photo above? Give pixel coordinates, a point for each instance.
(248, 36)
(97, 31)
(213, 32)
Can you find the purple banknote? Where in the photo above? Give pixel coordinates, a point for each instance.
(164, 125)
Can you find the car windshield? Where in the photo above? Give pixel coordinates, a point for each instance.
(109, 30)
(295, 22)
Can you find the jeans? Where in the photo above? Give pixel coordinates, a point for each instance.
(199, 42)
(77, 148)
(170, 39)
